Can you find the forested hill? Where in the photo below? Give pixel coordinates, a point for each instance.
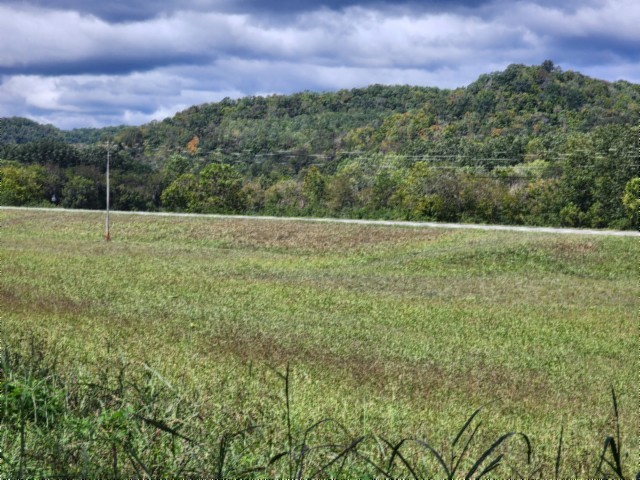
(503, 111)
(520, 101)
(16, 130)
(530, 144)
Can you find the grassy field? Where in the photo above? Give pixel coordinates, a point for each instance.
(398, 332)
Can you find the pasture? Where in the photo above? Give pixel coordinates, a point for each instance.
(398, 332)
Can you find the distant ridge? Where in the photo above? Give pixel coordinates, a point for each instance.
(521, 100)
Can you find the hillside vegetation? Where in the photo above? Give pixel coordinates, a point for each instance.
(529, 145)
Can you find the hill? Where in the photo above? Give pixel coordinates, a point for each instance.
(16, 130)
(498, 109)
(530, 144)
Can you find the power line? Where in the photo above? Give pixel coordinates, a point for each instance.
(545, 155)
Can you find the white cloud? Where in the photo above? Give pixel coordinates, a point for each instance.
(615, 18)
(37, 92)
(355, 36)
(94, 100)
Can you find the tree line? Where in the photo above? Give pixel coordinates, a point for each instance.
(529, 145)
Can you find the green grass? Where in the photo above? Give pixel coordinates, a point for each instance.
(400, 332)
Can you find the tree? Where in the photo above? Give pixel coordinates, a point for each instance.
(384, 188)
(631, 200)
(217, 189)
(182, 194)
(132, 198)
(79, 192)
(220, 189)
(341, 192)
(285, 198)
(22, 185)
(314, 187)
(431, 194)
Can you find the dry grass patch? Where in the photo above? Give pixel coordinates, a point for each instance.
(297, 236)
(319, 238)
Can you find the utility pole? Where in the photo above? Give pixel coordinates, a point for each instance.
(107, 235)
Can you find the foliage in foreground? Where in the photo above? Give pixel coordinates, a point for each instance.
(131, 422)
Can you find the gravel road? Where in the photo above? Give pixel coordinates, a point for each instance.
(513, 228)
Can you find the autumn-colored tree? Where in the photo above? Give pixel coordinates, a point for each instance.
(192, 146)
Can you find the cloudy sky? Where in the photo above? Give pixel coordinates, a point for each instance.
(77, 63)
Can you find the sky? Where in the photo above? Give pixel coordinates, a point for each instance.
(93, 63)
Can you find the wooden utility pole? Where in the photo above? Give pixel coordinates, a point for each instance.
(107, 235)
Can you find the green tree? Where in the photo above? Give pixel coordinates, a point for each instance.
(132, 198)
(341, 193)
(285, 198)
(22, 185)
(220, 189)
(314, 187)
(79, 192)
(176, 165)
(182, 194)
(385, 186)
(254, 193)
(431, 194)
(631, 200)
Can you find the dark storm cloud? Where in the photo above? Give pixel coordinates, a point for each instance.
(130, 10)
(120, 10)
(102, 66)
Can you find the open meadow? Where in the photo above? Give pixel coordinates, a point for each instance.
(389, 331)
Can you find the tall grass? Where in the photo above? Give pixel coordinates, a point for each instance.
(392, 334)
(129, 421)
